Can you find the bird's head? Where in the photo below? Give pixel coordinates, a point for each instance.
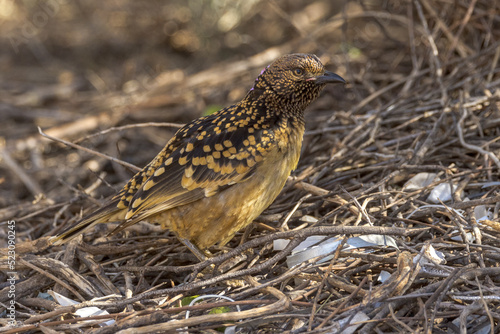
(295, 78)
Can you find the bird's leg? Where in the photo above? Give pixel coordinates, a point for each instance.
(194, 249)
(201, 256)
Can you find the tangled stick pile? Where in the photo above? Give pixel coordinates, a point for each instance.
(423, 105)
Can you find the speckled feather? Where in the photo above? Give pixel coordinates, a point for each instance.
(254, 141)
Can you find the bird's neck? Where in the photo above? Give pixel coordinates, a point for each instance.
(279, 106)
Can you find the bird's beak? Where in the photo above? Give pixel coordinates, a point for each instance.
(327, 77)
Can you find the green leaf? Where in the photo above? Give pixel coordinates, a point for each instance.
(218, 310)
(211, 109)
(187, 300)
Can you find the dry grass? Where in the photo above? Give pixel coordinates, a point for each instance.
(424, 97)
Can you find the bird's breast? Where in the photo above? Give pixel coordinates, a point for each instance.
(289, 140)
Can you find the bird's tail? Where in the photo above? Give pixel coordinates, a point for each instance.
(106, 214)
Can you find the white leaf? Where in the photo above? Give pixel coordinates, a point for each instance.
(82, 312)
(441, 192)
(316, 246)
(280, 244)
(326, 247)
(482, 213)
(383, 276)
(371, 240)
(309, 219)
(420, 181)
(354, 323)
(470, 237)
(430, 256)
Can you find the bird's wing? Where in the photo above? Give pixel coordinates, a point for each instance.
(205, 157)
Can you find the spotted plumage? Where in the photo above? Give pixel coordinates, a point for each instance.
(219, 172)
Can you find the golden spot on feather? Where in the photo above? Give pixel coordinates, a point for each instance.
(246, 142)
(183, 161)
(226, 154)
(137, 203)
(219, 147)
(187, 182)
(148, 185)
(189, 172)
(121, 205)
(169, 161)
(206, 148)
(226, 169)
(210, 191)
(216, 154)
(195, 161)
(210, 159)
(159, 171)
(240, 169)
(189, 147)
(203, 161)
(228, 143)
(211, 165)
(242, 155)
(232, 150)
(251, 162)
(252, 130)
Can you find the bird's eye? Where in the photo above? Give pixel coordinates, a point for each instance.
(298, 71)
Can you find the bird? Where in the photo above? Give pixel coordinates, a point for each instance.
(220, 172)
